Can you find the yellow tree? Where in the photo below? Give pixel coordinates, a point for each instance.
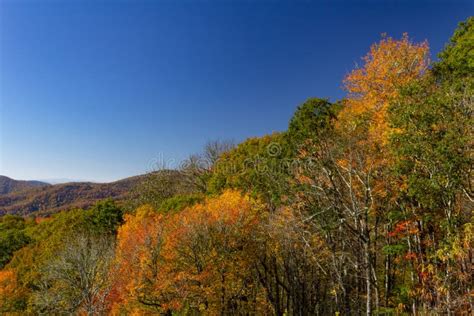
(363, 128)
(349, 176)
(389, 65)
(210, 253)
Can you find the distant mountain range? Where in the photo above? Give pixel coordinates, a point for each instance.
(62, 180)
(26, 197)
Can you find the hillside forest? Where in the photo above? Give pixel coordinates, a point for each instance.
(361, 207)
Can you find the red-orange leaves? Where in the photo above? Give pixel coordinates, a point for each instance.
(138, 239)
(10, 291)
(198, 259)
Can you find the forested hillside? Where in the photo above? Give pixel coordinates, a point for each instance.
(8, 185)
(44, 200)
(362, 206)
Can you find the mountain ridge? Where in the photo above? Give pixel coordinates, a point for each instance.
(9, 185)
(44, 199)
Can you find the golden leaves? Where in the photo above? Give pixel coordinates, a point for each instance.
(389, 65)
(184, 257)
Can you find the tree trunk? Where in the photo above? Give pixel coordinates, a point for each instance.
(368, 278)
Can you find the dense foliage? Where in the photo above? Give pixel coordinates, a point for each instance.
(363, 206)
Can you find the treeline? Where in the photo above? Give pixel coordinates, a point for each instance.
(363, 206)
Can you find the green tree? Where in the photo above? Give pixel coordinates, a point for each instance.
(457, 59)
(106, 217)
(259, 166)
(433, 157)
(12, 237)
(309, 121)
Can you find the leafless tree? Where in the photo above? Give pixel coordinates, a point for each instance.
(78, 279)
(197, 167)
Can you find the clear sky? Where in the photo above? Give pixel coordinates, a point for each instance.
(99, 90)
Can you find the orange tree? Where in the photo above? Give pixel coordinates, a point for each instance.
(199, 260)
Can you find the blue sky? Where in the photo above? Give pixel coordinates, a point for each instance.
(99, 90)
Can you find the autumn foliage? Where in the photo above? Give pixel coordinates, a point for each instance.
(389, 65)
(363, 206)
(197, 259)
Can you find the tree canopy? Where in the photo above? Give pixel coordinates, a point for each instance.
(362, 206)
